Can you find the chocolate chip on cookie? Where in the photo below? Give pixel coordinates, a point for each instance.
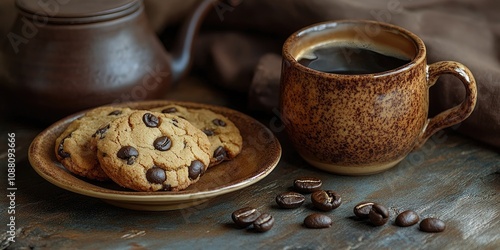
(156, 175)
(162, 143)
(150, 120)
(219, 122)
(220, 154)
(208, 132)
(196, 169)
(169, 110)
(60, 149)
(115, 112)
(128, 153)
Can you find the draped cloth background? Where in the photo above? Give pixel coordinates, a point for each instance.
(239, 47)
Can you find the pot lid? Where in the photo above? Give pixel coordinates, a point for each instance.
(76, 11)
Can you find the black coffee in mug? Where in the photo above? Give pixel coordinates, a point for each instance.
(350, 60)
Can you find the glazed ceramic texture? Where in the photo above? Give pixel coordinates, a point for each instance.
(367, 123)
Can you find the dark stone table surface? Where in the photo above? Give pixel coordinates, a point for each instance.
(452, 178)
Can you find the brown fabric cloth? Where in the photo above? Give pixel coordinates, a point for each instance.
(239, 47)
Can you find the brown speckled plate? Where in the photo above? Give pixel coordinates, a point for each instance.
(260, 155)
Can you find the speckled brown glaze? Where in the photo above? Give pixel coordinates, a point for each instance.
(363, 124)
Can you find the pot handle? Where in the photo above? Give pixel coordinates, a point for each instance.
(182, 52)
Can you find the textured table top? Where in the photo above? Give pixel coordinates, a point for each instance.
(452, 178)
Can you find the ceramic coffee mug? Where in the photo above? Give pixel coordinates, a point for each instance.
(363, 123)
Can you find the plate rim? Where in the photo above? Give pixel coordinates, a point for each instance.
(136, 196)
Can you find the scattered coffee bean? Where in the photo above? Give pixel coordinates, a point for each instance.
(326, 200)
(150, 120)
(290, 200)
(363, 209)
(196, 169)
(264, 223)
(219, 122)
(318, 221)
(432, 225)
(128, 153)
(379, 215)
(307, 184)
(407, 218)
(244, 217)
(156, 175)
(162, 143)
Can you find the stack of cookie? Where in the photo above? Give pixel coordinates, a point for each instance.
(165, 148)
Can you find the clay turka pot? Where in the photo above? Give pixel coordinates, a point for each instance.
(64, 56)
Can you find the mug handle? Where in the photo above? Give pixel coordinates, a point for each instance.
(456, 114)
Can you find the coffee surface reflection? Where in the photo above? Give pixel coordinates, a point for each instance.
(351, 60)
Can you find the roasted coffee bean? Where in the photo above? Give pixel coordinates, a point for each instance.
(116, 112)
(196, 169)
(307, 184)
(326, 200)
(162, 143)
(128, 153)
(244, 217)
(318, 221)
(150, 120)
(290, 200)
(220, 154)
(156, 175)
(169, 110)
(219, 122)
(363, 209)
(264, 223)
(379, 215)
(432, 225)
(407, 218)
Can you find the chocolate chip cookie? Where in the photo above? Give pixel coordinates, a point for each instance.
(150, 151)
(225, 138)
(74, 148)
